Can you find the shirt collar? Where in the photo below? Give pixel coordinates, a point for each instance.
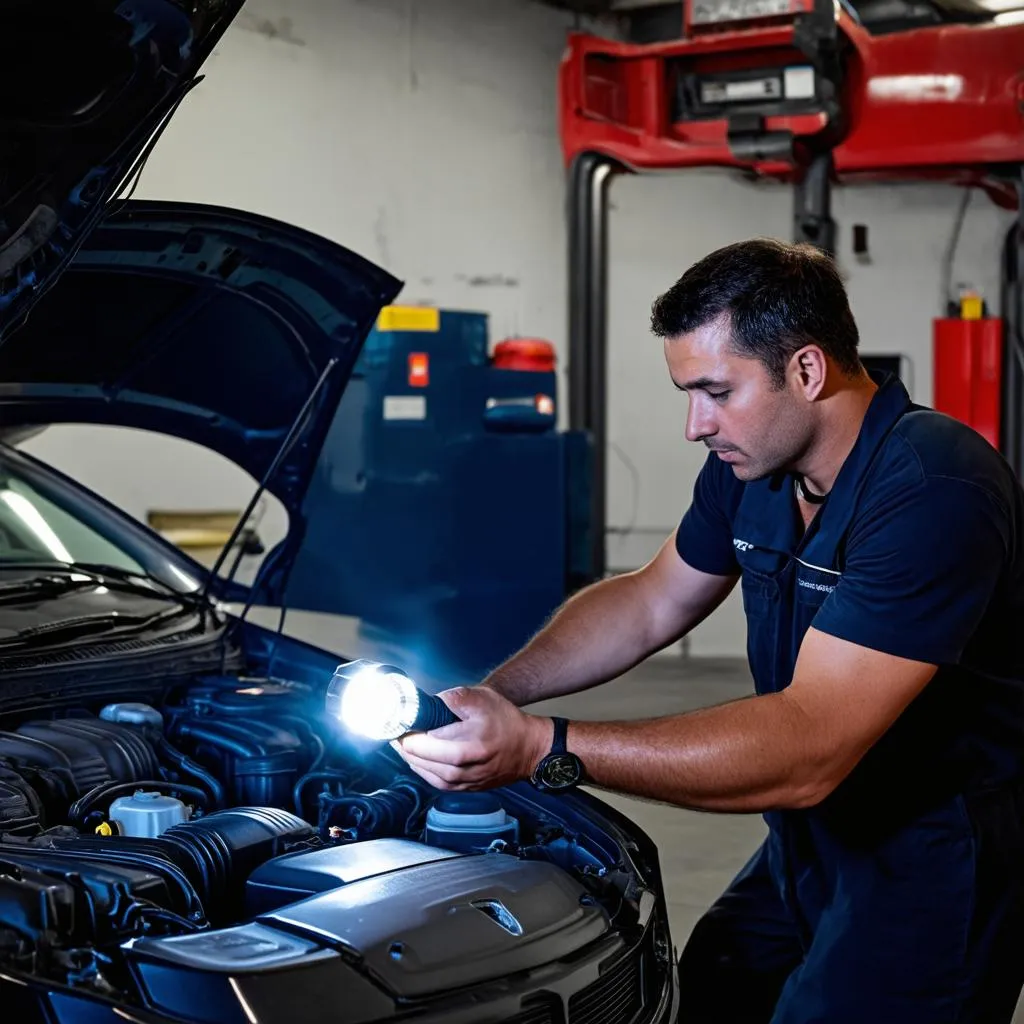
(888, 404)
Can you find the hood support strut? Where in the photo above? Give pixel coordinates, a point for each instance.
(294, 431)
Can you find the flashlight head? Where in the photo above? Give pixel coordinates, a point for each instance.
(377, 702)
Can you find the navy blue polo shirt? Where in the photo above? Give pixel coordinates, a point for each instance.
(917, 552)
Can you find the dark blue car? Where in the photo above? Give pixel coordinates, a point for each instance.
(185, 834)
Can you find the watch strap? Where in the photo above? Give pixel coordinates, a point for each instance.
(558, 744)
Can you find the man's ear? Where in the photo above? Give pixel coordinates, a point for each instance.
(808, 370)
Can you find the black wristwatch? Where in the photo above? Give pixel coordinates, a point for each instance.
(559, 771)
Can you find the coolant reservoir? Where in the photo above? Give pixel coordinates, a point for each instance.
(131, 713)
(469, 822)
(146, 815)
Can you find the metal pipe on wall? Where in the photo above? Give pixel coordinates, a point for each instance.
(589, 177)
(812, 206)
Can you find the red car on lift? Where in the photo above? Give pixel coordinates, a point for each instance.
(807, 91)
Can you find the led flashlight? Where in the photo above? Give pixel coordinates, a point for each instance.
(380, 702)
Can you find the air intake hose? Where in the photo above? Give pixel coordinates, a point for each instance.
(227, 846)
(216, 854)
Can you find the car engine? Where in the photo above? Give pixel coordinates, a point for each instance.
(176, 854)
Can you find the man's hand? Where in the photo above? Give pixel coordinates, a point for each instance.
(494, 744)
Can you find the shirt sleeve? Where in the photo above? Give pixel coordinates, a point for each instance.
(921, 568)
(704, 537)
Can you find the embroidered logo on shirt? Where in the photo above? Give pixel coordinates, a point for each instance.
(742, 545)
(826, 587)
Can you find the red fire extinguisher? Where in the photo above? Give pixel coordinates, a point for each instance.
(967, 367)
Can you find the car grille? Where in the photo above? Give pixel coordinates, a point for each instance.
(617, 997)
(547, 1012)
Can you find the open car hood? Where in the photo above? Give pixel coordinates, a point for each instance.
(221, 327)
(88, 86)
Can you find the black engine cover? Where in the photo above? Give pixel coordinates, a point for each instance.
(453, 922)
(289, 879)
(423, 934)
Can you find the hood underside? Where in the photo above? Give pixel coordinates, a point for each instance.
(88, 87)
(220, 327)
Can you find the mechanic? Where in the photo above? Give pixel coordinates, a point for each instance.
(880, 551)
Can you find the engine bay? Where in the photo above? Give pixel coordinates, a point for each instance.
(150, 848)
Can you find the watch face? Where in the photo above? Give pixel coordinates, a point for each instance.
(560, 771)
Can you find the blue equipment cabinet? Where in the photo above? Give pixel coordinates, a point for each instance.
(463, 510)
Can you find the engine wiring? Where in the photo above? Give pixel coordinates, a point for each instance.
(395, 810)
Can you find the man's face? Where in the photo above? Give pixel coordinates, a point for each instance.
(734, 409)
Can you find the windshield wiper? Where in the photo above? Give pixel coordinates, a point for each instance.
(138, 582)
(41, 586)
(132, 576)
(86, 625)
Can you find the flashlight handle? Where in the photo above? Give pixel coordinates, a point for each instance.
(433, 713)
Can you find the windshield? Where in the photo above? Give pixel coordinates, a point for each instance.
(33, 529)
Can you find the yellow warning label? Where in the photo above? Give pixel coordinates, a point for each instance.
(971, 307)
(409, 318)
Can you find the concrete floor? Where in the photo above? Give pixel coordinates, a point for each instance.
(700, 853)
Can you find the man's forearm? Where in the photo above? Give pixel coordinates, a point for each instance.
(595, 636)
(751, 755)
(780, 750)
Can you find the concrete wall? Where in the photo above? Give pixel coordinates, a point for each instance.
(422, 133)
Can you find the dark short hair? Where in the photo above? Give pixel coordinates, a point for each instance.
(780, 297)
